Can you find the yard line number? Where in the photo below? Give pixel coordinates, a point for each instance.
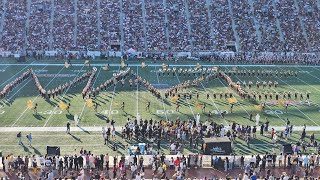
(273, 112)
(165, 112)
(106, 112)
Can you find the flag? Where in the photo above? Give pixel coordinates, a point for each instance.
(62, 105)
(174, 99)
(198, 105)
(164, 66)
(29, 104)
(258, 107)
(280, 102)
(122, 64)
(198, 66)
(106, 68)
(143, 64)
(66, 65)
(89, 103)
(234, 68)
(232, 100)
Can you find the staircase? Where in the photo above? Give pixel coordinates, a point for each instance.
(256, 23)
(143, 4)
(75, 22)
(209, 4)
(234, 26)
(121, 26)
(278, 21)
(51, 26)
(99, 24)
(166, 24)
(186, 10)
(27, 24)
(297, 10)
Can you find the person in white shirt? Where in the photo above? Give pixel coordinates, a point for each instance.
(50, 176)
(173, 147)
(245, 177)
(41, 159)
(231, 159)
(138, 176)
(198, 119)
(106, 160)
(280, 159)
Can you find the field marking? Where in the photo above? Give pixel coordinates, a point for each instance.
(205, 89)
(314, 67)
(265, 103)
(186, 99)
(4, 69)
(235, 94)
(97, 128)
(173, 65)
(162, 100)
(308, 73)
(306, 82)
(9, 98)
(85, 103)
(15, 74)
(36, 96)
(113, 93)
(137, 96)
(65, 92)
(295, 106)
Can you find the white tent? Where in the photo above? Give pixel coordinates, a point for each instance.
(131, 51)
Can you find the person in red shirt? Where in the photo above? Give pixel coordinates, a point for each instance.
(177, 164)
(272, 133)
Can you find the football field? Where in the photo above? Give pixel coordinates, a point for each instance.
(15, 113)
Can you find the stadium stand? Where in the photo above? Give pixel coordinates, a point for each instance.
(150, 25)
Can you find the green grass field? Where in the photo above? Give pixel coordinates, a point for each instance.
(14, 111)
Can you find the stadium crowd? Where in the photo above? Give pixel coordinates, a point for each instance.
(84, 163)
(158, 26)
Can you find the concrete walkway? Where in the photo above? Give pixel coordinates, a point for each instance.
(118, 128)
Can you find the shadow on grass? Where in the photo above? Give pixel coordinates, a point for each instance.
(25, 148)
(83, 130)
(36, 151)
(38, 116)
(70, 117)
(76, 138)
(50, 102)
(101, 116)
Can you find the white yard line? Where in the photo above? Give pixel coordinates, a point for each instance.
(316, 68)
(205, 89)
(118, 129)
(308, 73)
(162, 100)
(137, 93)
(186, 99)
(235, 94)
(37, 95)
(22, 86)
(294, 105)
(95, 80)
(65, 92)
(265, 103)
(4, 68)
(113, 93)
(308, 83)
(14, 75)
(9, 98)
